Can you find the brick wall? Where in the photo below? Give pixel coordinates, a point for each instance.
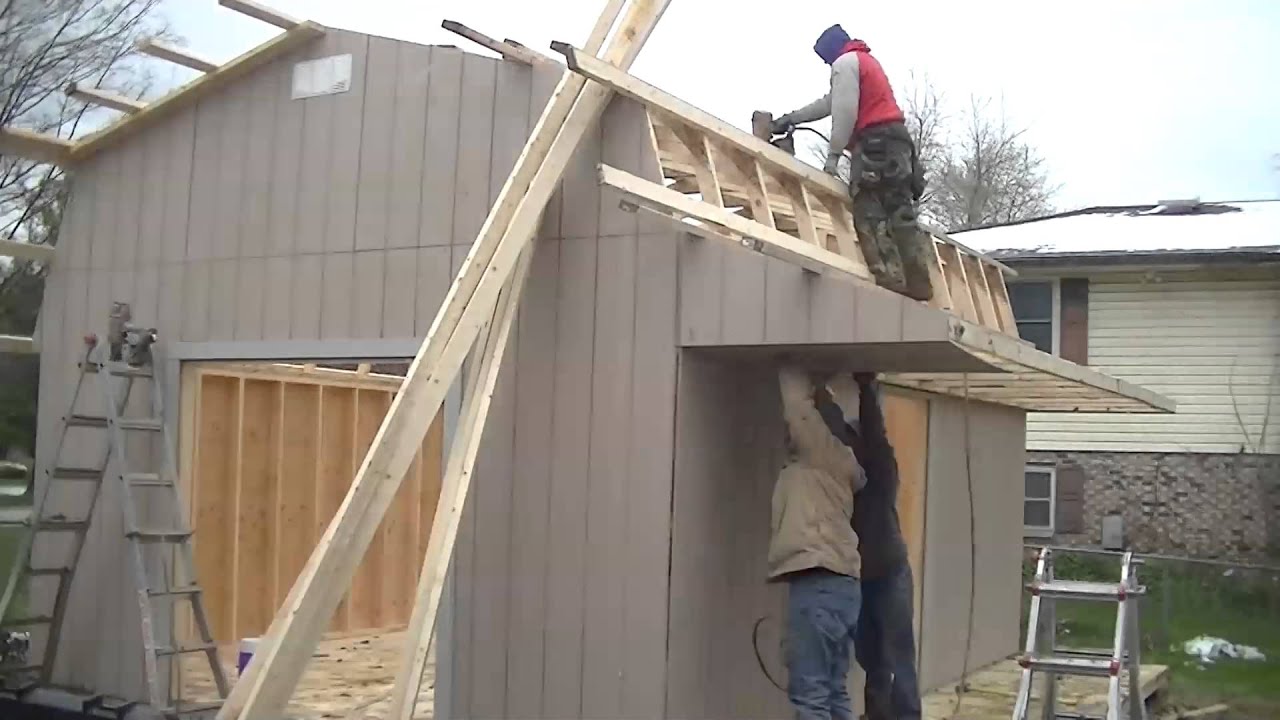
(1201, 505)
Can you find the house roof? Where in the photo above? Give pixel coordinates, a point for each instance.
(1173, 231)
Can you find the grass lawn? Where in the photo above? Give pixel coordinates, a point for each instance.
(10, 542)
(1183, 602)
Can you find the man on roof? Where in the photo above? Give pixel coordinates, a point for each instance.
(886, 180)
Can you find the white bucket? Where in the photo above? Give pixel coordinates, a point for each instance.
(247, 647)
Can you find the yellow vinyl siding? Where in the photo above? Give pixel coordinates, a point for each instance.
(1212, 345)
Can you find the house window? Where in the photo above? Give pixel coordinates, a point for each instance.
(1038, 494)
(1035, 308)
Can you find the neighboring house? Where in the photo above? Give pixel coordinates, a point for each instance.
(1182, 298)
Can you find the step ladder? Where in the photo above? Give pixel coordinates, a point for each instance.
(160, 555)
(1043, 655)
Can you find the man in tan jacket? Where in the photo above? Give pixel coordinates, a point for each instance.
(814, 549)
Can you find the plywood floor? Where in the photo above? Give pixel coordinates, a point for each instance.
(349, 678)
(992, 691)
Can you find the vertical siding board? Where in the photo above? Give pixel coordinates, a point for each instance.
(787, 291)
(172, 301)
(475, 145)
(832, 312)
(346, 111)
(440, 159)
(286, 179)
(178, 185)
(132, 168)
(234, 107)
(256, 197)
(75, 249)
(152, 197)
(580, 196)
(250, 299)
(878, 315)
(572, 417)
(368, 292)
(702, 293)
(408, 143)
(194, 289)
(743, 300)
(531, 510)
(306, 296)
(434, 275)
(510, 122)
(337, 295)
(398, 293)
(106, 207)
(222, 299)
(376, 137)
(276, 299)
(316, 159)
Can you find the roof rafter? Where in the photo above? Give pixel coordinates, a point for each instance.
(174, 54)
(258, 11)
(105, 98)
(507, 49)
(26, 251)
(40, 147)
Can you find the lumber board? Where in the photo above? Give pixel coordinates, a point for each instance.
(40, 147)
(174, 54)
(278, 663)
(18, 345)
(508, 51)
(105, 98)
(42, 254)
(258, 11)
(753, 235)
(192, 92)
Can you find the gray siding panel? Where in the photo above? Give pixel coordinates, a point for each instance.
(376, 148)
(337, 295)
(408, 138)
(475, 145)
(255, 191)
(346, 111)
(230, 171)
(398, 297)
(178, 140)
(444, 98)
(788, 291)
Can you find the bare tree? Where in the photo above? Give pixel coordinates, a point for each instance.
(979, 169)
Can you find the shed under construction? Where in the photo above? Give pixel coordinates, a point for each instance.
(332, 201)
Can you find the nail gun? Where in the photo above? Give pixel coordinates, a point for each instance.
(762, 127)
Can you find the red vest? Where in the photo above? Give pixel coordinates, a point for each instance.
(876, 103)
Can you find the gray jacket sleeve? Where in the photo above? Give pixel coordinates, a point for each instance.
(845, 91)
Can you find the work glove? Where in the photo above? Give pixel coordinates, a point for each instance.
(781, 125)
(864, 379)
(832, 167)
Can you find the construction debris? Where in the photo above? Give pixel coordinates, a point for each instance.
(1208, 649)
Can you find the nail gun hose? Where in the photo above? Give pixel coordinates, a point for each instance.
(755, 645)
(815, 132)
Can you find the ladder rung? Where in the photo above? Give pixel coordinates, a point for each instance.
(62, 525)
(76, 473)
(122, 370)
(97, 421)
(7, 671)
(146, 480)
(179, 590)
(155, 535)
(148, 424)
(193, 708)
(1071, 665)
(185, 650)
(27, 621)
(47, 571)
(1082, 590)
(15, 523)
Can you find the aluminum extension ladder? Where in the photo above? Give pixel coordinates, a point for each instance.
(158, 583)
(1043, 655)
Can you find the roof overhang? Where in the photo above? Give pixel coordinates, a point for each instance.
(1154, 260)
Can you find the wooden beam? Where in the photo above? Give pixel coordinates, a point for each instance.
(517, 53)
(258, 11)
(277, 665)
(202, 86)
(174, 54)
(35, 146)
(105, 98)
(17, 345)
(42, 254)
(480, 386)
(755, 236)
(624, 84)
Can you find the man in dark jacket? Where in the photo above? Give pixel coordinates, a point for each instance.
(887, 180)
(884, 643)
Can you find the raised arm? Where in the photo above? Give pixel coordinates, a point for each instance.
(845, 93)
(809, 431)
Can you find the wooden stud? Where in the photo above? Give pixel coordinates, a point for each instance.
(512, 222)
(517, 53)
(846, 236)
(1000, 297)
(39, 147)
(705, 167)
(803, 211)
(755, 236)
(174, 54)
(258, 11)
(938, 279)
(981, 295)
(105, 98)
(42, 254)
(957, 283)
(192, 92)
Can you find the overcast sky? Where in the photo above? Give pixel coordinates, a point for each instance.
(1129, 101)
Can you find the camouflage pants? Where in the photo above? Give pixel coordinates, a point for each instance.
(886, 183)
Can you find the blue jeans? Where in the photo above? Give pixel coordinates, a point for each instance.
(886, 649)
(822, 616)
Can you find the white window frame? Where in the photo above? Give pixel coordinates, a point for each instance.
(1055, 309)
(1034, 530)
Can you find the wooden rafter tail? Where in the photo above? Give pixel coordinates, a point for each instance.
(744, 231)
(1000, 295)
(190, 93)
(174, 54)
(513, 220)
(517, 53)
(42, 254)
(39, 147)
(105, 98)
(258, 11)
(17, 345)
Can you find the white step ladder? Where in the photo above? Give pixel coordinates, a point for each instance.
(1043, 655)
(160, 557)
